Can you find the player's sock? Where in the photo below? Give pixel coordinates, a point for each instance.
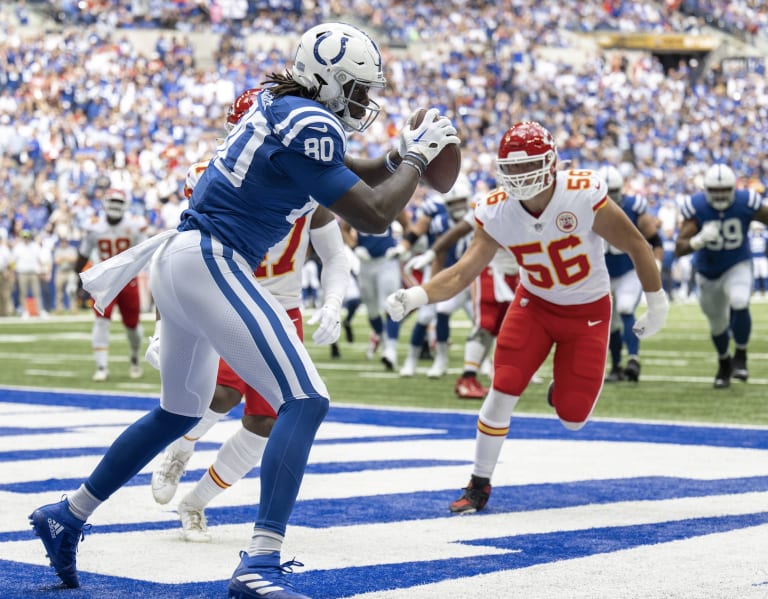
(628, 336)
(741, 326)
(285, 458)
(492, 429)
(134, 339)
(722, 341)
(418, 335)
(443, 327)
(614, 346)
(187, 442)
(134, 449)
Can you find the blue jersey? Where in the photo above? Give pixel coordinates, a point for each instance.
(732, 246)
(377, 245)
(618, 262)
(282, 154)
(440, 221)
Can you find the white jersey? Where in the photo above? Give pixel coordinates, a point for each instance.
(503, 263)
(280, 271)
(102, 240)
(561, 259)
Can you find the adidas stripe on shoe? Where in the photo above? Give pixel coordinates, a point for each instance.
(263, 577)
(60, 531)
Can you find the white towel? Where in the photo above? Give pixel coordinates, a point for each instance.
(106, 279)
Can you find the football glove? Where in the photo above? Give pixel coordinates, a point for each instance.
(420, 262)
(362, 254)
(651, 322)
(398, 251)
(329, 319)
(402, 301)
(429, 138)
(152, 355)
(709, 232)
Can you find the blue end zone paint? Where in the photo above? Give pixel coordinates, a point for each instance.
(23, 580)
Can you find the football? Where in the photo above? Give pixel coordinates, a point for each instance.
(442, 172)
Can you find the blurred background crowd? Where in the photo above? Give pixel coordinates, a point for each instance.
(129, 93)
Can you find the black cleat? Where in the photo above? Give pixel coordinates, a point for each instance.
(740, 371)
(632, 370)
(616, 374)
(724, 373)
(474, 497)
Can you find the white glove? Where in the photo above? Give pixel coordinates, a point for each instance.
(71, 287)
(402, 301)
(420, 262)
(152, 355)
(709, 232)
(362, 254)
(398, 251)
(429, 138)
(329, 317)
(651, 322)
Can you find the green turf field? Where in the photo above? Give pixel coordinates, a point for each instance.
(676, 382)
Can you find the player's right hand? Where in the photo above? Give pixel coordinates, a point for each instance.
(402, 301)
(152, 356)
(420, 262)
(430, 137)
(709, 232)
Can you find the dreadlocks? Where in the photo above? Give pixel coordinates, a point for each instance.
(284, 85)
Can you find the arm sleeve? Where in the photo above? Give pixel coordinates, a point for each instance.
(329, 246)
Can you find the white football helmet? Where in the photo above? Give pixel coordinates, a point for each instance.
(615, 182)
(332, 60)
(720, 186)
(115, 204)
(527, 159)
(458, 199)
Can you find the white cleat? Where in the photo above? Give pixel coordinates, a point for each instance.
(439, 367)
(135, 371)
(408, 369)
(193, 523)
(165, 480)
(101, 375)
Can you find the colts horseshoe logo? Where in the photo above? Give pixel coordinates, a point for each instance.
(335, 59)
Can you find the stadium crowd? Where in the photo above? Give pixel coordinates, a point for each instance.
(80, 113)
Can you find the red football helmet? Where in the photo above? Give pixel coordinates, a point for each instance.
(527, 160)
(240, 106)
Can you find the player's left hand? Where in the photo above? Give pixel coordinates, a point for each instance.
(329, 318)
(398, 251)
(651, 322)
(403, 301)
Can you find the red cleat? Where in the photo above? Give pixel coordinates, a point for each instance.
(468, 387)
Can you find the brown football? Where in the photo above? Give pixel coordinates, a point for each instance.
(442, 172)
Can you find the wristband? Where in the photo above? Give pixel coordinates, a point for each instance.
(390, 164)
(417, 161)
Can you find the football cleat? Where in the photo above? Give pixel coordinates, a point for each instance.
(165, 480)
(263, 577)
(468, 387)
(389, 359)
(474, 497)
(439, 367)
(409, 368)
(101, 375)
(373, 345)
(194, 526)
(740, 371)
(60, 531)
(632, 370)
(616, 374)
(135, 370)
(724, 373)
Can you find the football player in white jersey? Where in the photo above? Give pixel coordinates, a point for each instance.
(279, 273)
(288, 152)
(110, 234)
(555, 223)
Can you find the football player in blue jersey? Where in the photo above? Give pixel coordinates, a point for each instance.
(625, 286)
(286, 152)
(715, 226)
